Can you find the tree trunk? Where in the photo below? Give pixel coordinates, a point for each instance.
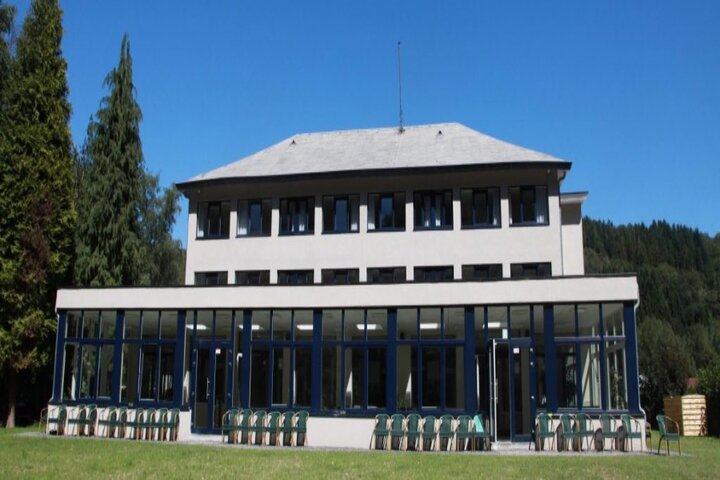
(12, 390)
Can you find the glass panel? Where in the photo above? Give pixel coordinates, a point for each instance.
(242, 218)
(91, 324)
(589, 320)
(538, 312)
(407, 324)
(256, 218)
(259, 377)
(167, 362)
(617, 375)
(590, 363)
(377, 324)
(407, 377)
(69, 371)
(282, 325)
(223, 324)
(220, 386)
(303, 324)
(377, 373)
(564, 317)
(497, 322)
(260, 325)
(354, 325)
(567, 391)
(454, 319)
(303, 373)
(520, 321)
(332, 325)
(87, 387)
(431, 377)
(150, 319)
(429, 323)
(132, 324)
(128, 390)
(106, 370)
(73, 324)
(353, 377)
(148, 380)
(613, 318)
(281, 376)
(168, 325)
(342, 220)
(204, 326)
(237, 369)
(521, 402)
(202, 388)
(107, 325)
(188, 362)
(454, 377)
(331, 373)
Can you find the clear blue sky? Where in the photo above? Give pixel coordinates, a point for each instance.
(629, 91)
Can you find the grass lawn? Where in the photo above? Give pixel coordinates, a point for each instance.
(79, 458)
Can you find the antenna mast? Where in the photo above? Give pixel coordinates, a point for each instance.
(400, 128)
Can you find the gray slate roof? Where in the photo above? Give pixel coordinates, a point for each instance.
(433, 145)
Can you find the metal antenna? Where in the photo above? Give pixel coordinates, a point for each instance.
(400, 128)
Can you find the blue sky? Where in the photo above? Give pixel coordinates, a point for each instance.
(627, 91)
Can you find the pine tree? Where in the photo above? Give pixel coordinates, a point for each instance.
(109, 234)
(37, 210)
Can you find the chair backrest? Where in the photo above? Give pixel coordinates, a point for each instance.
(62, 413)
(413, 423)
(149, 415)
(463, 425)
(479, 423)
(381, 423)
(543, 421)
(301, 418)
(259, 416)
(446, 424)
(229, 417)
(662, 424)
(273, 420)
(607, 423)
(397, 423)
(583, 421)
(246, 419)
(288, 419)
(566, 420)
(162, 414)
(626, 421)
(429, 424)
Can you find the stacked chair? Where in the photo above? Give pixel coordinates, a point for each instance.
(429, 433)
(265, 428)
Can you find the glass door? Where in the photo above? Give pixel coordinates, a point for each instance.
(211, 386)
(522, 384)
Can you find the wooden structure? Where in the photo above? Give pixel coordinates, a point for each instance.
(690, 413)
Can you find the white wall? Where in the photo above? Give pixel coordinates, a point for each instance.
(573, 256)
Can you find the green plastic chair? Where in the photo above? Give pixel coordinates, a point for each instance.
(91, 419)
(57, 417)
(669, 432)
(412, 431)
(172, 423)
(135, 425)
(301, 436)
(244, 426)
(108, 423)
(568, 434)
(272, 428)
(78, 420)
(446, 432)
(380, 432)
(584, 429)
(227, 426)
(607, 429)
(258, 427)
(481, 431)
(429, 433)
(286, 428)
(464, 433)
(121, 422)
(543, 430)
(397, 432)
(149, 425)
(632, 430)
(158, 424)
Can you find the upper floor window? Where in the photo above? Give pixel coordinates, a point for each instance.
(211, 278)
(297, 215)
(434, 274)
(491, 271)
(254, 217)
(340, 276)
(433, 210)
(341, 213)
(386, 275)
(213, 220)
(528, 205)
(480, 207)
(386, 211)
(295, 277)
(252, 277)
(530, 270)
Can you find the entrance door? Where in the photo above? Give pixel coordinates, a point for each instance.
(211, 386)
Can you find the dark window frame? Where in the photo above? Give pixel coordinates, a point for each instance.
(206, 275)
(333, 276)
(420, 216)
(492, 208)
(527, 268)
(517, 211)
(399, 220)
(204, 220)
(482, 272)
(382, 272)
(294, 277)
(290, 219)
(440, 271)
(330, 213)
(265, 217)
(253, 277)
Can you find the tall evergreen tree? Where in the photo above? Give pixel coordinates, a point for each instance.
(37, 210)
(109, 245)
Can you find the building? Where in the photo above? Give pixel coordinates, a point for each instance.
(434, 269)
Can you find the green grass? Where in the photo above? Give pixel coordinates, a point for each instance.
(78, 458)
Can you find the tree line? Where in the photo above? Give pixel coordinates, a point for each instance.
(88, 216)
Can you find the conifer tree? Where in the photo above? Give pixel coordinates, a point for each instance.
(37, 210)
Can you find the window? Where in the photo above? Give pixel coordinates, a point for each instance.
(252, 277)
(254, 218)
(480, 208)
(386, 275)
(207, 279)
(295, 277)
(297, 216)
(213, 220)
(433, 210)
(490, 271)
(386, 211)
(530, 270)
(341, 213)
(345, 276)
(434, 274)
(528, 205)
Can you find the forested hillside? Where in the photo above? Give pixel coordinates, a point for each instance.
(679, 316)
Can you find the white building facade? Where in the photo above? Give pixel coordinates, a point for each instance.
(432, 270)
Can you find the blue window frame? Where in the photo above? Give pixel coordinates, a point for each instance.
(254, 218)
(433, 210)
(213, 220)
(341, 213)
(297, 216)
(528, 205)
(480, 208)
(386, 212)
